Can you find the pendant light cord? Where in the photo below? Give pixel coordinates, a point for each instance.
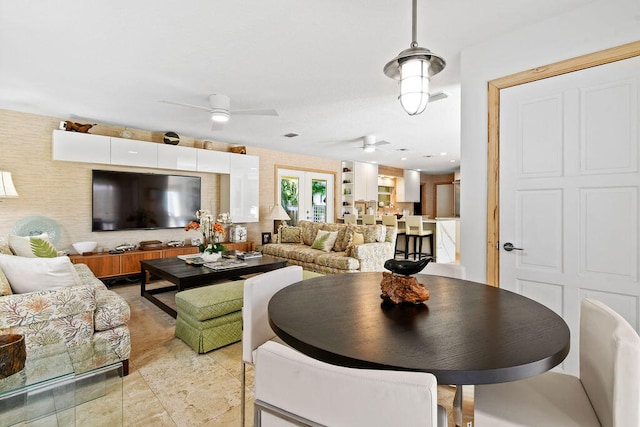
(414, 24)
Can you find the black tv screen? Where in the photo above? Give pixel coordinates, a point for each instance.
(128, 200)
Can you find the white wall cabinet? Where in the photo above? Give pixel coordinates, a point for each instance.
(213, 161)
(411, 186)
(81, 147)
(240, 190)
(365, 181)
(239, 173)
(176, 157)
(128, 152)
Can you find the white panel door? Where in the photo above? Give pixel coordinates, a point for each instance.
(569, 186)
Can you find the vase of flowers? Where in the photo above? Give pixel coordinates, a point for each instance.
(212, 231)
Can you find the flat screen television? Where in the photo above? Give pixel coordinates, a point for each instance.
(129, 200)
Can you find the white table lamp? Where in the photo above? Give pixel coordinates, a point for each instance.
(7, 188)
(278, 213)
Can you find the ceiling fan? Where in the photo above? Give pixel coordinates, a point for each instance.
(220, 108)
(369, 143)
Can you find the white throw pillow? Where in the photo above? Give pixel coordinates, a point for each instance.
(325, 240)
(33, 246)
(37, 274)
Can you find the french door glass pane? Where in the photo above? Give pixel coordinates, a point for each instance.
(319, 200)
(289, 197)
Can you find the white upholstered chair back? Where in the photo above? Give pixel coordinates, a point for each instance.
(258, 290)
(368, 219)
(390, 220)
(610, 364)
(350, 218)
(287, 380)
(414, 225)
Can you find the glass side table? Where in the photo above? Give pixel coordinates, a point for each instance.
(64, 387)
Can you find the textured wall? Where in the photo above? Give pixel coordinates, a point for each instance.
(62, 190)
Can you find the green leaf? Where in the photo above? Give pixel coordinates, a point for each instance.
(42, 248)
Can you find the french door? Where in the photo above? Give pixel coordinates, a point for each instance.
(306, 195)
(569, 192)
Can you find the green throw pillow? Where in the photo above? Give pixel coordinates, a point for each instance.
(324, 240)
(42, 248)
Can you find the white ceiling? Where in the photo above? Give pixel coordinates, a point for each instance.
(318, 63)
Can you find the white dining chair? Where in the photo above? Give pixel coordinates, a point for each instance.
(368, 219)
(258, 290)
(392, 221)
(350, 218)
(294, 389)
(607, 393)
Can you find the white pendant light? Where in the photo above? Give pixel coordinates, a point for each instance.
(413, 67)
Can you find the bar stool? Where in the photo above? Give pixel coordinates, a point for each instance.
(392, 221)
(350, 218)
(416, 230)
(368, 219)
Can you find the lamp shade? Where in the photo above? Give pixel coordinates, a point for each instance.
(6, 185)
(278, 213)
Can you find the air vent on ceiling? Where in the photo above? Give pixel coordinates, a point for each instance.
(291, 134)
(402, 149)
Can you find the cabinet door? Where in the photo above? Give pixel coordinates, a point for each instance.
(181, 250)
(213, 161)
(411, 186)
(128, 152)
(400, 195)
(130, 261)
(239, 191)
(81, 147)
(175, 157)
(366, 181)
(106, 265)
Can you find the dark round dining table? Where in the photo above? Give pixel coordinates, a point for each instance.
(466, 333)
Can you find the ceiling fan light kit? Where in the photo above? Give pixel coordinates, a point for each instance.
(413, 67)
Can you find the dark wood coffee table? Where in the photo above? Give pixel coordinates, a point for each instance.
(185, 276)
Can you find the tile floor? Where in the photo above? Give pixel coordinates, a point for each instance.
(170, 385)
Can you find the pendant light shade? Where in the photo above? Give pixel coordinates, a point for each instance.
(413, 67)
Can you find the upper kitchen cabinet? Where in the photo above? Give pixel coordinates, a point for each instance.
(408, 188)
(81, 147)
(365, 181)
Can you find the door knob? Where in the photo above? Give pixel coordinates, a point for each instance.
(509, 247)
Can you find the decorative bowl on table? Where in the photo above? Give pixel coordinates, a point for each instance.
(86, 247)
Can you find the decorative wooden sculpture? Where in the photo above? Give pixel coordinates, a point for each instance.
(399, 286)
(77, 127)
(12, 354)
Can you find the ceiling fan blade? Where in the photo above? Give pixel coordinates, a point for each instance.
(200, 107)
(267, 112)
(433, 97)
(381, 143)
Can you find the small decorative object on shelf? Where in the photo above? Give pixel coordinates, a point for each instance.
(400, 286)
(171, 138)
(240, 149)
(238, 233)
(13, 353)
(75, 127)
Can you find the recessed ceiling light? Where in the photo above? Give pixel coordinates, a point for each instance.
(402, 149)
(291, 134)
(404, 158)
(443, 154)
(428, 156)
(452, 161)
(419, 170)
(374, 162)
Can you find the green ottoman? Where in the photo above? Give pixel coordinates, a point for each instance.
(210, 317)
